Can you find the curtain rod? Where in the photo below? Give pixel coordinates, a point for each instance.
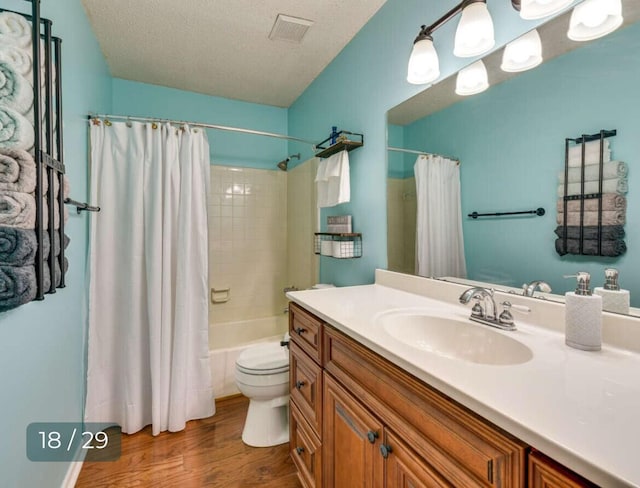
(203, 125)
(421, 153)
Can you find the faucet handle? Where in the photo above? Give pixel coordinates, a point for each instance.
(506, 317)
(477, 310)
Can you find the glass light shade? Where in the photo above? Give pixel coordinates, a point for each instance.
(424, 66)
(474, 34)
(538, 9)
(594, 18)
(472, 80)
(522, 54)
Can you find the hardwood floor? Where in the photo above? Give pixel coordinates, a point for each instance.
(208, 452)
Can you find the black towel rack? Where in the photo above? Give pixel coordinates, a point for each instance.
(538, 211)
(81, 206)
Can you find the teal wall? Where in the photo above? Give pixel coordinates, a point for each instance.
(510, 141)
(354, 93)
(227, 148)
(42, 343)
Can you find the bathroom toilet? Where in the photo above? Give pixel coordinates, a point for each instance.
(262, 375)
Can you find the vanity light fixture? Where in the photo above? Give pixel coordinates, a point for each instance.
(472, 80)
(538, 9)
(594, 18)
(522, 54)
(424, 66)
(474, 36)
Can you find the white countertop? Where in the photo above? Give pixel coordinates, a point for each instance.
(580, 408)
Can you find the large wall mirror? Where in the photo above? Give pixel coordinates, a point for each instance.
(510, 142)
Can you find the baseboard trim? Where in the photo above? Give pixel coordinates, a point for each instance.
(73, 472)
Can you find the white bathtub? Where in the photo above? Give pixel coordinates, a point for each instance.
(227, 340)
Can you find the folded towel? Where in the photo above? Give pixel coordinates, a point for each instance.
(56, 247)
(16, 132)
(612, 169)
(609, 232)
(332, 180)
(610, 248)
(15, 90)
(612, 185)
(17, 246)
(17, 209)
(610, 201)
(19, 58)
(46, 282)
(17, 286)
(592, 153)
(15, 30)
(56, 214)
(17, 171)
(609, 217)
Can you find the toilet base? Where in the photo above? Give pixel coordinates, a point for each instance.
(267, 422)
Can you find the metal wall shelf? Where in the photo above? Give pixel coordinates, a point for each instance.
(342, 143)
(338, 245)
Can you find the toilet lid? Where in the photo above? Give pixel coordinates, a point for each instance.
(267, 358)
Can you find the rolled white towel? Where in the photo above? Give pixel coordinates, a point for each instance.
(613, 185)
(17, 209)
(17, 171)
(16, 131)
(612, 169)
(15, 30)
(56, 214)
(19, 58)
(15, 90)
(591, 153)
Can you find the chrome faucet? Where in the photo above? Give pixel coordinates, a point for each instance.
(485, 310)
(488, 311)
(529, 289)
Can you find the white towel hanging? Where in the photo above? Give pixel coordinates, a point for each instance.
(333, 181)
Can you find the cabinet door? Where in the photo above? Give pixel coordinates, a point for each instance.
(305, 449)
(305, 378)
(351, 441)
(407, 470)
(546, 473)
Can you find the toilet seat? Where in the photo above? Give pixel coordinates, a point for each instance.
(263, 359)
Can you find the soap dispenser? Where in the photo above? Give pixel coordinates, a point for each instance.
(613, 298)
(583, 316)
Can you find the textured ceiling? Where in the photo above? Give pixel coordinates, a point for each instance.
(222, 47)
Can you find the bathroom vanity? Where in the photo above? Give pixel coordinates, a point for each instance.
(373, 403)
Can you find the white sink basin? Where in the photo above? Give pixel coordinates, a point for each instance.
(454, 338)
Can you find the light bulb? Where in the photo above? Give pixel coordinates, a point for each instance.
(472, 80)
(522, 54)
(424, 66)
(474, 35)
(594, 18)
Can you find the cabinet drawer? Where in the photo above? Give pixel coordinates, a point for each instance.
(546, 473)
(305, 450)
(306, 331)
(464, 448)
(305, 381)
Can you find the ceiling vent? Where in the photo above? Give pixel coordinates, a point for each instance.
(291, 29)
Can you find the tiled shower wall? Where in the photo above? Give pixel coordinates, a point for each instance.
(247, 242)
(401, 224)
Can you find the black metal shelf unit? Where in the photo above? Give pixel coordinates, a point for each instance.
(341, 143)
(589, 239)
(48, 145)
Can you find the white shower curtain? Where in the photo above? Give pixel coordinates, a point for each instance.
(148, 357)
(439, 242)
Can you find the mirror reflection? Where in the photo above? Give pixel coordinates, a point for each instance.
(510, 144)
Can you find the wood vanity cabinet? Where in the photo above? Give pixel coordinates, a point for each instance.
(358, 420)
(305, 385)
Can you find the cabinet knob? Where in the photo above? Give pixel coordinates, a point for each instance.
(299, 450)
(385, 450)
(299, 384)
(372, 436)
(300, 331)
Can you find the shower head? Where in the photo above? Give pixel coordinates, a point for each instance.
(285, 162)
